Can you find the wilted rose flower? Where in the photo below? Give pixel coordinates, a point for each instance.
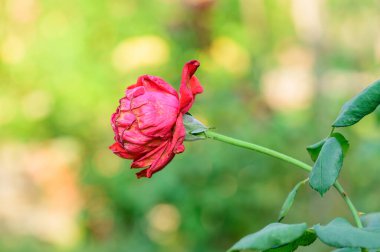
(148, 123)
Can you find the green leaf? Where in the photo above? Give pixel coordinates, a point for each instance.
(353, 250)
(289, 200)
(327, 167)
(347, 250)
(307, 238)
(193, 127)
(371, 220)
(314, 149)
(340, 234)
(343, 142)
(361, 105)
(273, 235)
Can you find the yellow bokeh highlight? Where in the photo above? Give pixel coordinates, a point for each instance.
(288, 88)
(230, 55)
(22, 11)
(136, 52)
(12, 50)
(164, 218)
(37, 104)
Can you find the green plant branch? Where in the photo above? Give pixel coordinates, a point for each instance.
(348, 201)
(286, 158)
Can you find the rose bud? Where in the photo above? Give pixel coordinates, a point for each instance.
(148, 124)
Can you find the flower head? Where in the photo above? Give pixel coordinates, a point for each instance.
(148, 124)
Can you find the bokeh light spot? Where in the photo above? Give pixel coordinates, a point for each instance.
(164, 218)
(12, 50)
(230, 55)
(37, 104)
(22, 11)
(136, 52)
(287, 88)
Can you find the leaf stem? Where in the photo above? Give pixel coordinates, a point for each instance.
(243, 144)
(348, 201)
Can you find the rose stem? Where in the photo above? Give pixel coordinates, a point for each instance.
(286, 158)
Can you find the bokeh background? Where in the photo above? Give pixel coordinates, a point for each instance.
(275, 72)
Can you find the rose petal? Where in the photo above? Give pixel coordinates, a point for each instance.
(179, 135)
(131, 93)
(158, 160)
(134, 135)
(158, 163)
(136, 150)
(156, 84)
(190, 86)
(113, 124)
(124, 119)
(119, 150)
(157, 117)
(142, 174)
(149, 158)
(124, 116)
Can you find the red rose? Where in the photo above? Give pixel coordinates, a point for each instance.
(148, 123)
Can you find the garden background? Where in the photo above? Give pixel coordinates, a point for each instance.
(275, 72)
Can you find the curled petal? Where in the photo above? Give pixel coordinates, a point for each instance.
(131, 93)
(135, 136)
(179, 135)
(118, 149)
(149, 158)
(136, 150)
(122, 124)
(125, 119)
(122, 118)
(157, 117)
(164, 154)
(155, 84)
(190, 86)
(114, 126)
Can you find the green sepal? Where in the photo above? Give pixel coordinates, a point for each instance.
(194, 128)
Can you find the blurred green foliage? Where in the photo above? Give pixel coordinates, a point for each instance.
(275, 73)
